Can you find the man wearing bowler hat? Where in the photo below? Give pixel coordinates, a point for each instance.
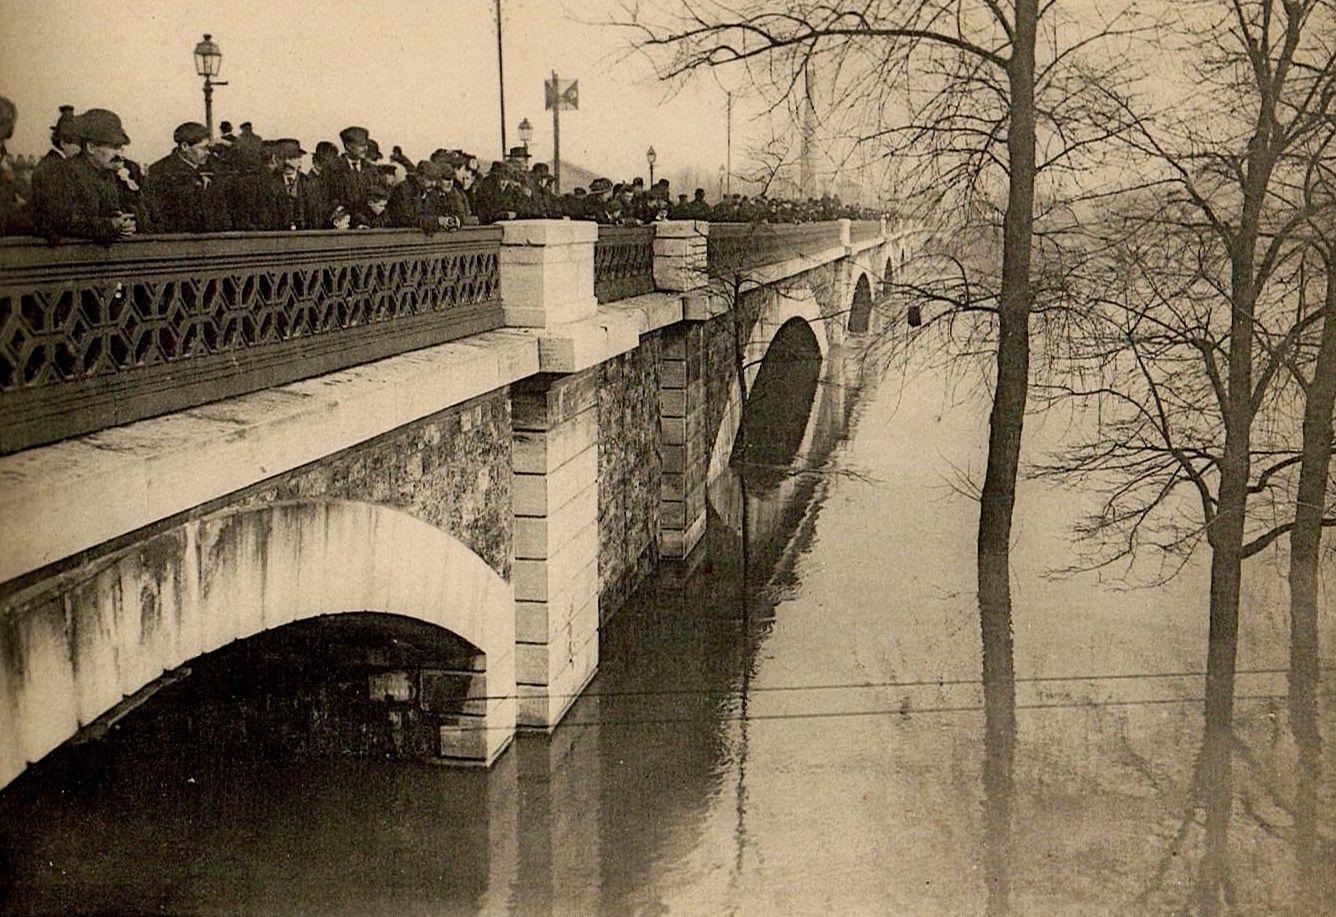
(179, 189)
(82, 195)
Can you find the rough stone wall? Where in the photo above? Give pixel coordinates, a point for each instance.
(452, 469)
(630, 468)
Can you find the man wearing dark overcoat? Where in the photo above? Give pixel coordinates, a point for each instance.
(180, 191)
(418, 201)
(349, 175)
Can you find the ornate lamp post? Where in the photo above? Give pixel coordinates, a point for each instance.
(526, 133)
(208, 58)
(651, 157)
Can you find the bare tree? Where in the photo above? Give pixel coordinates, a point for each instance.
(1311, 512)
(980, 100)
(1203, 309)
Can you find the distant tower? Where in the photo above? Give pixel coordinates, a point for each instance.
(807, 136)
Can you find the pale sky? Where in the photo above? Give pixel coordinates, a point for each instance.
(419, 73)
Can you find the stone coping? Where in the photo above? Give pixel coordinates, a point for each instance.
(613, 329)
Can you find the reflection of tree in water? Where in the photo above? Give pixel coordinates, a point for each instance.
(999, 704)
(1227, 853)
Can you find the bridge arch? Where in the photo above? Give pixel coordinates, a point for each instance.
(887, 280)
(860, 307)
(783, 305)
(76, 647)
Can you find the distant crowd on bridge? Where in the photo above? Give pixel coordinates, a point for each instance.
(84, 188)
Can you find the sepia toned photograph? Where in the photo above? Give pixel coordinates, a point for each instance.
(667, 457)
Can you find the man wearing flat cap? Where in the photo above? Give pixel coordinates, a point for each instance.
(180, 192)
(293, 200)
(348, 176)
(82, 196)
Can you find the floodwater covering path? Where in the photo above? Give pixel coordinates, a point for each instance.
(802, 733)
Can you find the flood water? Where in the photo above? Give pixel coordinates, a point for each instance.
(800, 733)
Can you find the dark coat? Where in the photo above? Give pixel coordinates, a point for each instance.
(413, 205)
(316, 203)
(13, 213)
(258, 202)
(346, 185)
(181, 198)
(76, 199)
(457, 205)
(41, 176)
(497, 201)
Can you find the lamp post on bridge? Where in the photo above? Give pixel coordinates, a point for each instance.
(651, 157)
(526, 133)
(208, 58)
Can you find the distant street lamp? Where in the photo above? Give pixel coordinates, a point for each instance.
(722, 173)
(208, 58)
(526, 133)
(651, 157)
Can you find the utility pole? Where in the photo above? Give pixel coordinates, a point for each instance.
(728, 173)
(501, 78)
(556, 133)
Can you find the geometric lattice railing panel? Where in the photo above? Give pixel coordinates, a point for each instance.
(93, 336)
(734, 247)
(623, 262)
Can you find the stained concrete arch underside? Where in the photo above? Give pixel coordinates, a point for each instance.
(77, 646)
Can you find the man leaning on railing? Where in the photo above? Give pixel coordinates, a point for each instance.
(87, 196)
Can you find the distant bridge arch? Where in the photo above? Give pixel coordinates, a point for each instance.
(860, 307)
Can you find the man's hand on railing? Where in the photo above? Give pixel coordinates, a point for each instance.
(124, 224)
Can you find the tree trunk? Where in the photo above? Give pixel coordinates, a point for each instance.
(1225, 535)
(998, 497)
(1305, 544)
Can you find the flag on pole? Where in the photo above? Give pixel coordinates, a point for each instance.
(562, 95)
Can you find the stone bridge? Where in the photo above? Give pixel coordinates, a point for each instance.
(489, 437)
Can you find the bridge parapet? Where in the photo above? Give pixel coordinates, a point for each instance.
(93, 337)
(736, 247)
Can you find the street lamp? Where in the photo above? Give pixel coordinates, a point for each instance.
(207, 60)
(526, 133)
(722, 173)
(651, 157)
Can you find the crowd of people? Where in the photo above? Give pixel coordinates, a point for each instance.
(84, 188)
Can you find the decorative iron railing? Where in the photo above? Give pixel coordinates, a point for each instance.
(734, 247)
(623, 262)
(96, 336)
